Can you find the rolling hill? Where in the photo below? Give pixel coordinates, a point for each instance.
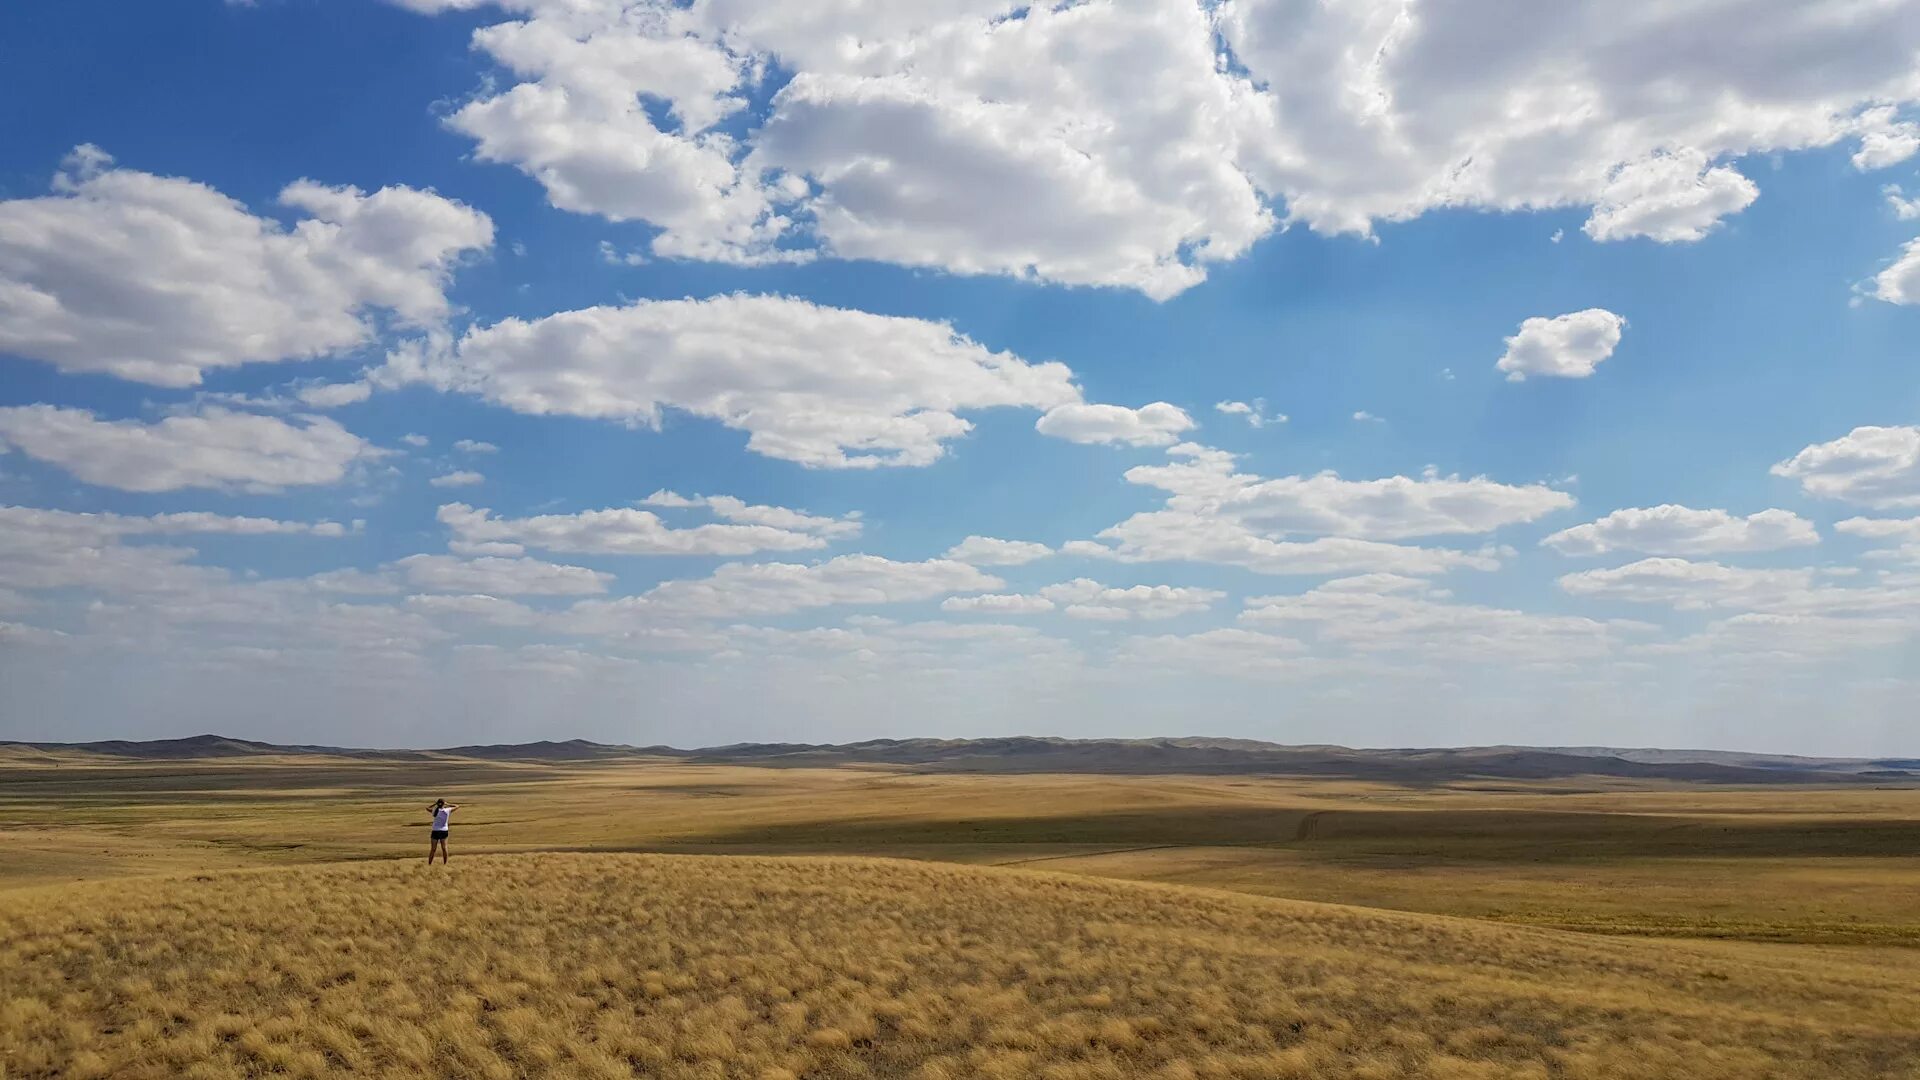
(1027, 754)
(610, 965)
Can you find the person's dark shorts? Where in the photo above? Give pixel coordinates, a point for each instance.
(439, 834)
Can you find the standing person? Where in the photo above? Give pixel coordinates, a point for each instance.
(440, 810)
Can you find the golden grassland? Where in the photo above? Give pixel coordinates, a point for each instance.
(615, 965)
(1787, 864)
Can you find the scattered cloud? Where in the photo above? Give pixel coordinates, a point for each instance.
(624, 531)
(499, 576)
(997, 604)
(1565, 346)
(1158, 424)
(159, 279)
(458, 478)
(990, 551)
(1255, 412)
(1135, 146)
(211, 448)
(1877, 467)
(824, 387)
(475, 446)
(1669, 197)
(1679, 530)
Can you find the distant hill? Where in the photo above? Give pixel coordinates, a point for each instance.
(1197, 755)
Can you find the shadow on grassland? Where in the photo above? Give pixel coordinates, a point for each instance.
(1411, 836)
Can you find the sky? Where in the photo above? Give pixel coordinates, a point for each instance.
(1395, 373)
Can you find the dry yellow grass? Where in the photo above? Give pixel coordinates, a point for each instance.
(1788, 864)
(681, 966)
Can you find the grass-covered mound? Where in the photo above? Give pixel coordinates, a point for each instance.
(677, 966)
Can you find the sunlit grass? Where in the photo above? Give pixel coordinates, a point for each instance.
(617, 965)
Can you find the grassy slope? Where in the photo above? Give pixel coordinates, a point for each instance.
(1779, 863)
(604, 965)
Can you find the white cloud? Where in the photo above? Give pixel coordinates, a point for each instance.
(1899, 283)
(579, 126)
(1669, 198)
(1378, 112)
(623, 531)
(475, 607)
(1215, 514)
(333, 395)
(500, 576)
(738, 590)
(159, 279)
(1158, 424)
(95, 529)
(213, 448)
(991, 551)
(1134, 145)
(998, 604)
(458, 478)
(475, 446)
(1905, 530)
(1255, 412)
(1084, 598)
(825, 387)
(1567, 346)
(1877, 467)
(1885, 139)
(1389, 508)
(1906, 209)
(412, 439)
(1696, 586)
(1229, 651)
(1365, 417)
(1388, 613)
(740, 512)
(1680, 530)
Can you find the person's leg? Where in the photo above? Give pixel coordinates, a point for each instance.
(431, 844)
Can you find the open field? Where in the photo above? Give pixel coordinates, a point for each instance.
(1829, 864)
(672, 966)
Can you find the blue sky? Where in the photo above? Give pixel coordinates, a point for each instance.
(443, 371)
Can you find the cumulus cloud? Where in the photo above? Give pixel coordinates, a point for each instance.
(1669, 198)
(1696, 586)
(1566, 346)
(1877, 467)
(333, 395)
(1135, 145)
(1214, 513)
(499, 576)
(1680, 530)
(211, 448)
(739, 590)
(991, 551)
(1255, 412)
(1378, 613)
(458, 478)
(739, 511)
(1084, 598)
(159, 279)
(475, 446)
(1158, 424)
(625, 531)
(1899, 283)
(998, 604)
(824, 387)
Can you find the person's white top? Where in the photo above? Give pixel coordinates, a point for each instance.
(440, 818)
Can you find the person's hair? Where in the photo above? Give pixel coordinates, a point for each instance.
(438, 803)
